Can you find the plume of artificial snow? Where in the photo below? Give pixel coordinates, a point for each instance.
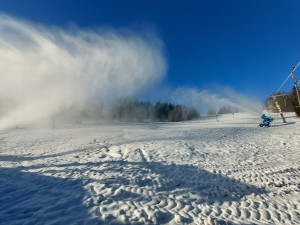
(43, 69)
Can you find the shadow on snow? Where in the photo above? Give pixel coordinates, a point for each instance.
(31, 198)
(27, 195)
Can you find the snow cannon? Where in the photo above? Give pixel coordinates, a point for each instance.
(266, 121)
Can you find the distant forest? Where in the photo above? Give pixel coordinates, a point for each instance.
(288, 102)
(125, 110)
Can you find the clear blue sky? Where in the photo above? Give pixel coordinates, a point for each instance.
(250, 46)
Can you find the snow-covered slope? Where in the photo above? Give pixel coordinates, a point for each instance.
(198, 172)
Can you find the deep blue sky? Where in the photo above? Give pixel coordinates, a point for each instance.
(250, 46)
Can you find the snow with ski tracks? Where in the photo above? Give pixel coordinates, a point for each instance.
(197, 172)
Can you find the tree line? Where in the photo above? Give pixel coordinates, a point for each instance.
(126, 110)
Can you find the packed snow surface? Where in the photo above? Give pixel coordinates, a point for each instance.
(229, 171)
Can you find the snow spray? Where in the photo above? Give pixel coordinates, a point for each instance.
(45, 68)
(206, 100)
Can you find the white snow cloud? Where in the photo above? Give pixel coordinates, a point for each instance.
(213, 98)
(207, 99)
(44, 68)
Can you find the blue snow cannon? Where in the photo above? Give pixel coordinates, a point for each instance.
(266, 121)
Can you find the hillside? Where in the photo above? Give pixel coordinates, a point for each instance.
(196, 172)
